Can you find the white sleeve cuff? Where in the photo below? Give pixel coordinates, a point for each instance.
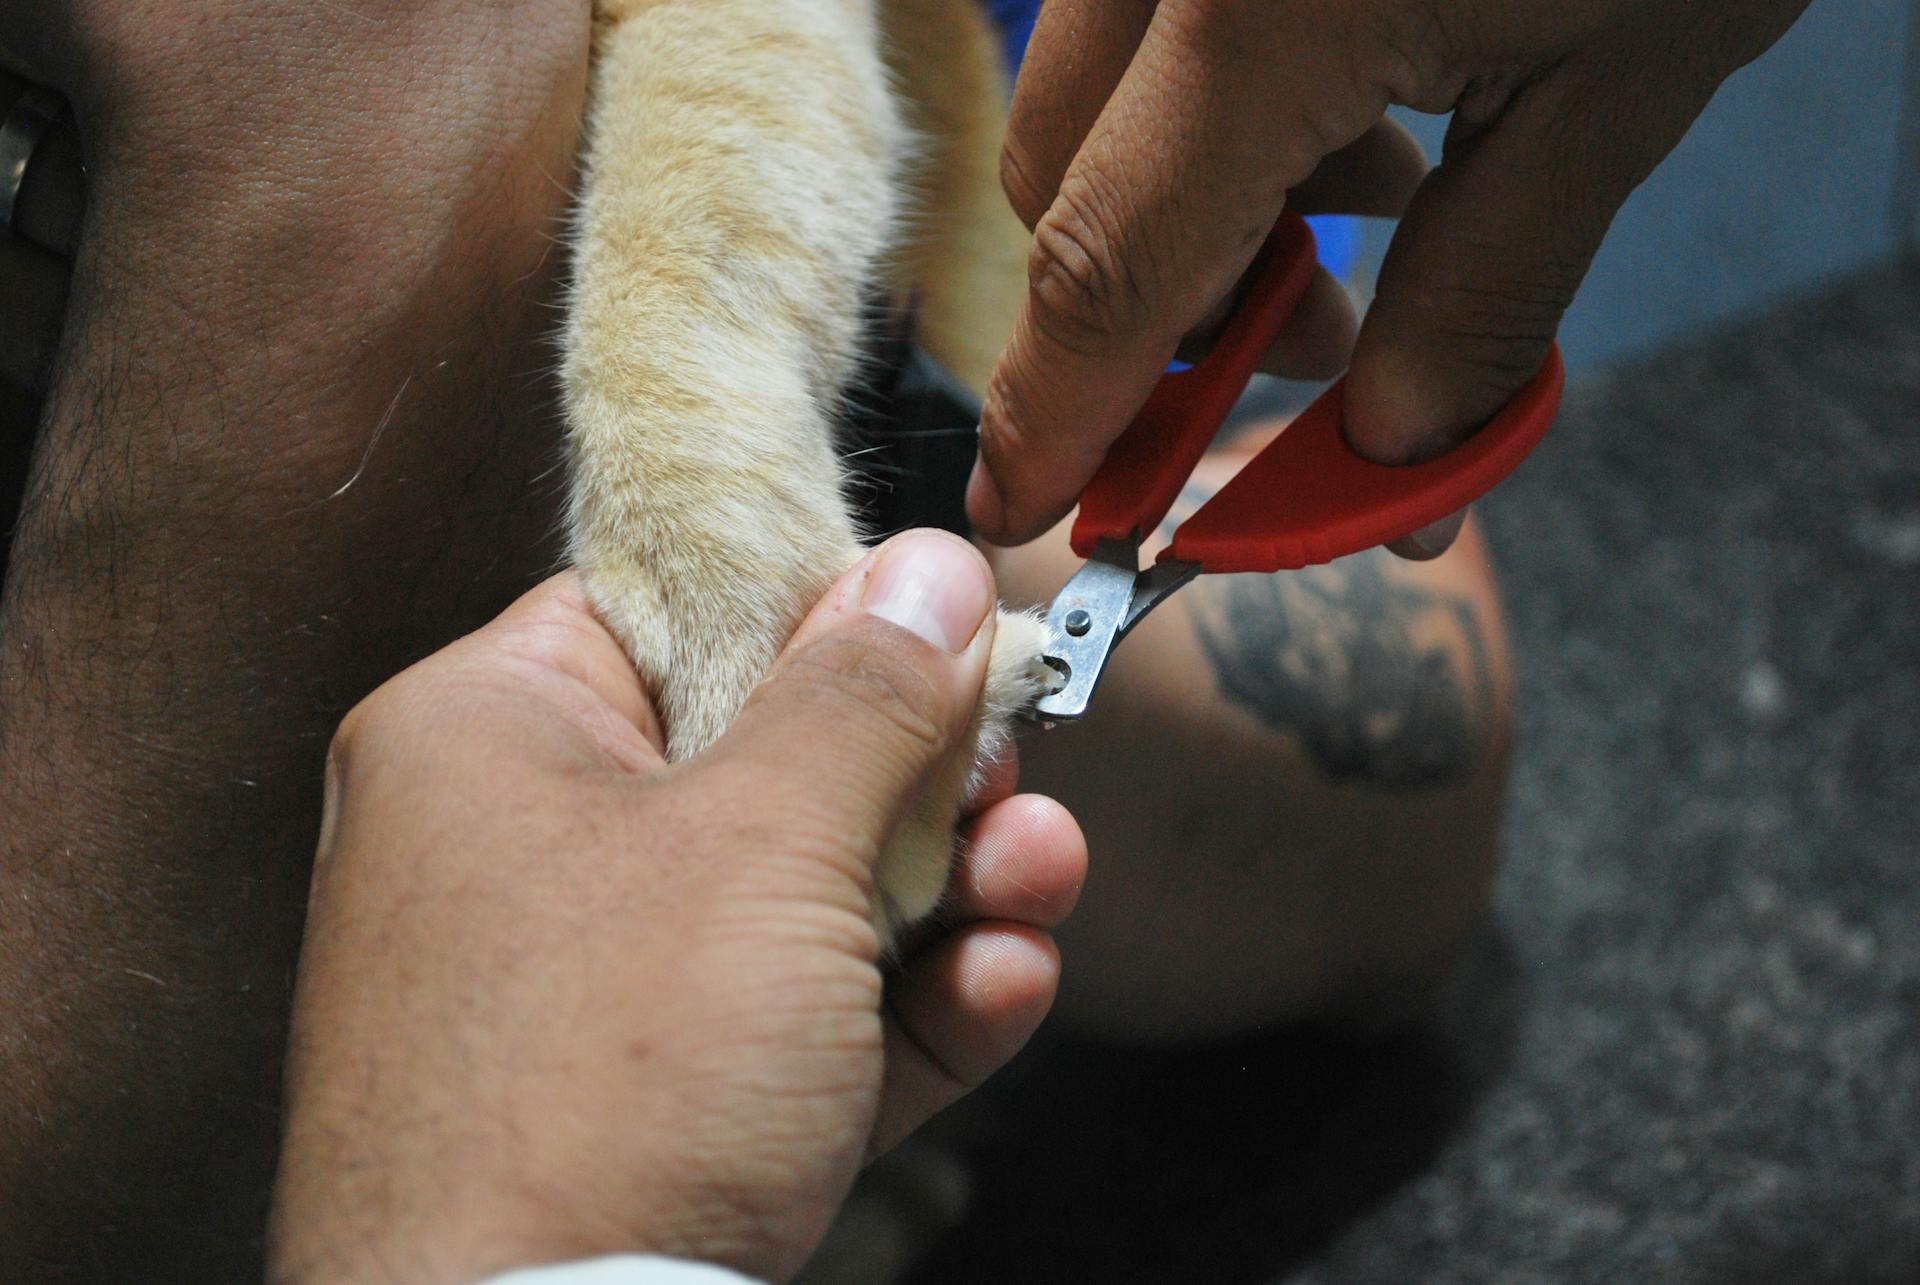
(624, 1269)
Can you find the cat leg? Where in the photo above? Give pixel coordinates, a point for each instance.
(738, 193)
(966, 260)
(738, 196)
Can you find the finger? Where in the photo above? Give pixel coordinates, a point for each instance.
(869, 699)
(1079, 51)
(1024, 862)
(1375, 175)
(554, 625)
(1160, 212)
(1493, 248)
(1317, 340)
(1429, 542)
(957, 1014)
(1314, 343)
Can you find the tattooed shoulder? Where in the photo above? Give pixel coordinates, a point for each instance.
(1382, 681)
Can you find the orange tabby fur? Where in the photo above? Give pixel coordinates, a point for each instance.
(752, 171)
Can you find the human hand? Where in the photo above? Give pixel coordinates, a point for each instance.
(1152, 145)
(560, 999)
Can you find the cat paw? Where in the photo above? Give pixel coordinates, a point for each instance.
(911, 876)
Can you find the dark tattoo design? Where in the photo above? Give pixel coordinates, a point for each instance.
(1356, 665)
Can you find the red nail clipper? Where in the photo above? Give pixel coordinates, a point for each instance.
(1304, 500)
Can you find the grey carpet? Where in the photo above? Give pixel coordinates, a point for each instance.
(1687, 1046)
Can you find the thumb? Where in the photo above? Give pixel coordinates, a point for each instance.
(1493, 249)
(869, 699)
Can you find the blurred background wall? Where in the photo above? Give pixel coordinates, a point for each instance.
(1804, 170)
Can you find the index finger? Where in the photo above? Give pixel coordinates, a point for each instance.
(1079, 51)
(1222, 110)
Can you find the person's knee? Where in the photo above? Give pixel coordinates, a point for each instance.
(1320, 844)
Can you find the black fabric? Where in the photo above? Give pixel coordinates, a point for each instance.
(19, 417)
(909, 440)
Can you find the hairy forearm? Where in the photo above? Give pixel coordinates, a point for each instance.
(291, 445)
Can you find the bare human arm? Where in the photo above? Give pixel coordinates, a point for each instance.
(295, 438)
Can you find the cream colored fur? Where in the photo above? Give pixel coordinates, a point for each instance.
(746, 183)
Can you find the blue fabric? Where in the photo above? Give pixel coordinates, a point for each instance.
(1015, 20)
(1338, 236)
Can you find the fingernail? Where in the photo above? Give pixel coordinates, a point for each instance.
(933, 585)
(1437, 538)
(985, 509)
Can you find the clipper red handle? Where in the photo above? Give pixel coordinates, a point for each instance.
(1307, 498)
(1147, 466)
